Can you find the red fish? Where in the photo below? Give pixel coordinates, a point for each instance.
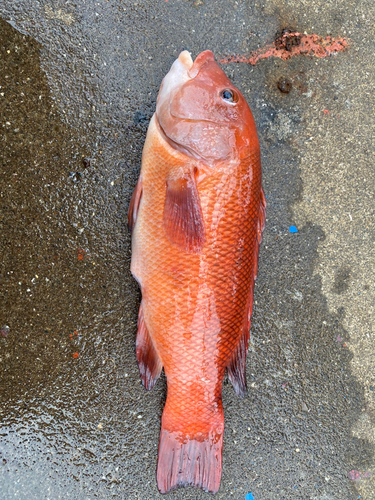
(197, 216)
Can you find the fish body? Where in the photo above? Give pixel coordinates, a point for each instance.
(197, 215)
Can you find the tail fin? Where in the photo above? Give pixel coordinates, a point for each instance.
(189, 462)
(183, 461)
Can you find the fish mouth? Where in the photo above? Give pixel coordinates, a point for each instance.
(173, 103)
(183, 69)
(201, 59)
(175, 78)
(193, 68)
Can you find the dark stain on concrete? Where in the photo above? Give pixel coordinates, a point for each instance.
(285, 85)
(342, 280)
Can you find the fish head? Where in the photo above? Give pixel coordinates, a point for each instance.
(201, 113)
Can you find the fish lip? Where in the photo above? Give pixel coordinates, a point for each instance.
(185, 59)
(176, 76)
(201, 59)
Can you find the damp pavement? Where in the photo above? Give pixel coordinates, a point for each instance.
(79, 82)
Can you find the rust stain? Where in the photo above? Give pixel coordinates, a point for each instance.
(293, 44)
(81, 253)
(74, 333)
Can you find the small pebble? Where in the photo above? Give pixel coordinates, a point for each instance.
(284, 85)
(86, 162)
(354, 475)
(4, 332)
(75, 176)
(293, 229)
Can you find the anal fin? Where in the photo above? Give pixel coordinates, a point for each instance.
(149, 363)
(237, 365)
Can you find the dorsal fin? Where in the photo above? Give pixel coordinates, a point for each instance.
(237, 365)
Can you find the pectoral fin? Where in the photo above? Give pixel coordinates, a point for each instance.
(183, 219)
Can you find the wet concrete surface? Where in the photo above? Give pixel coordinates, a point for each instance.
(78, 87)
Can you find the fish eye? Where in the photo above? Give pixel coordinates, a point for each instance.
(228, 95)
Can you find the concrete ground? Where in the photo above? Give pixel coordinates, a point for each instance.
(79, 82)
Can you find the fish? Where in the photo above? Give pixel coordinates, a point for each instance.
(196, 217)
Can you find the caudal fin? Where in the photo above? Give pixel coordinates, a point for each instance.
(189, 462)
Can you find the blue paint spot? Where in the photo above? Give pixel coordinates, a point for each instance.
(249, 496)
(293, 229)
